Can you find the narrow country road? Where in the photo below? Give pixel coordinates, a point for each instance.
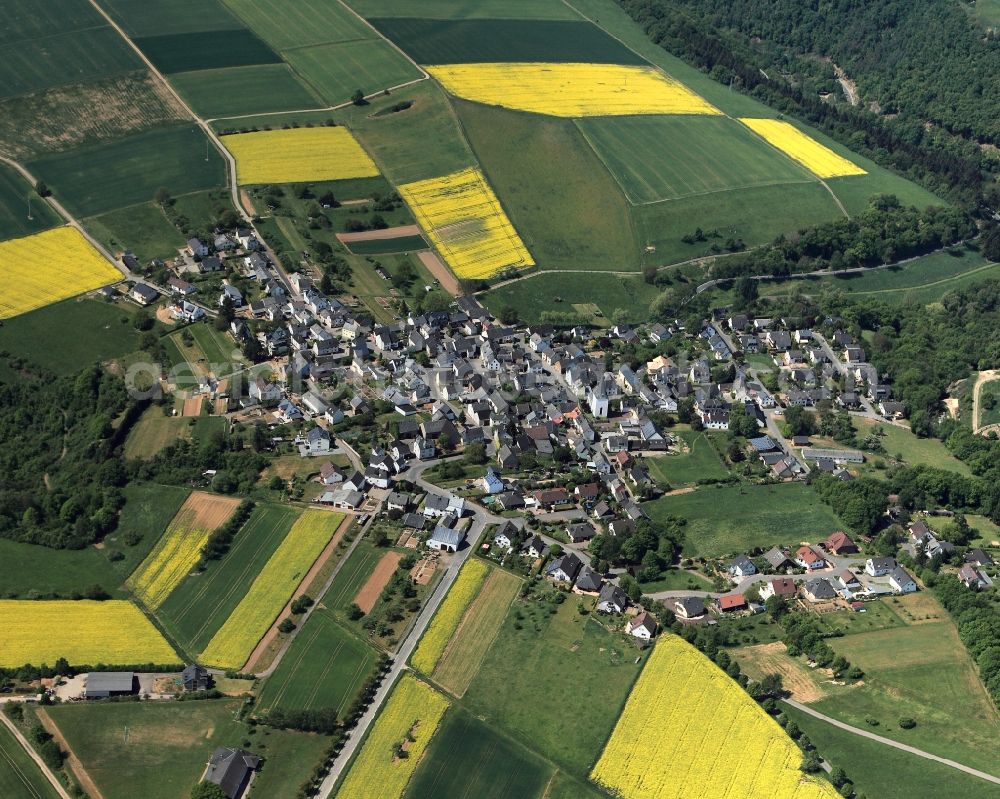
(982, 379)
(894, 744)
(34, 756)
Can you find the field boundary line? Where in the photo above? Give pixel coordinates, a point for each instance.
(19, 737)
(744, 187)
(75, 764)
(890, 742)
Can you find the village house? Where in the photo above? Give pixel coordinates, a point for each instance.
(809, 558)
(445, 539)
(819, 590)
(564, 569)
(535, 547)
(689, 607)
(741, 566)
(840, 543)
(879, 567)
(783, 587)
(588, 582)
(505, 535)
(612, 599)
(902, 581)
(972, 578)
(730, 603)
(231, 769)
(642, 626)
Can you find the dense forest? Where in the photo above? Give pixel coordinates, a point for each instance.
(892, 48)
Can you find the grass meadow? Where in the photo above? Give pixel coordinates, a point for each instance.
(734, 518)
(700, 462)
(878, 770)
(468, 758)
(663, 158)
(154, 431)
(161, 17)
(142, 228)
(561, 657)
(203, 601)
(485, 41)
(158, 750)
(914, 451)
(305, 23)
(103, 332)
(104, 177)
(582, 296)
(20, 777)
(252, 89)
(325, 667)
(564, 204)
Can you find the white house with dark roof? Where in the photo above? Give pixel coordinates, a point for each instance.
(445, 539)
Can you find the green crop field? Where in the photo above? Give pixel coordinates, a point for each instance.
(467, 758)
(551, 291)
(306, 22)
(154, 431)
(386, 246)
(563, 202)
(324, 667)
(356, 569)
(203, 602)
(20, 777)
(143, 229)
(573, 657)
(424, 141)
(184, 52)
(27, 567)
(700, 462)
(168, 744)
(755, 215)
(104, 177)
(238, 91)
(24, 19)
(731, 519)
(161, 17)
(16, 199)
(337, 70)
(662, 158)
(59, 58)
(449, 9)
(879, 770)
(435, 41)
(102, 331)
(921, 671)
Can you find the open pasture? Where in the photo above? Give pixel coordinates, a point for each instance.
(820, 160)
(20, 777)
(590, 662)
(60, 58)
(193, 50)
(423, 141)
(413, 710)
(467, 758)
(467, 41)
(202, 602)
(562, 200)
(274, 585)
(143, 229)
(48, 267)
(103, 177)
(179, 549)
(731, 519)
(169, 743)
(467, 9)
(700, 462)
(467, 224)
(571, 90)
(298, 155)
(254, 89)
(661, 157)
(301, 24)
(338, 69)
(84, 632)
(662, 748)
(478, 627)
(325, 667)
(22, 211)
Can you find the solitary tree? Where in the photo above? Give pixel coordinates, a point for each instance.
(162, 197)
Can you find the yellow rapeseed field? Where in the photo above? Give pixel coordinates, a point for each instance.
(84, 632)
(298, 155)
(179, 549)
(466, 223)
(572, 90)
(47, 267)
(821, 161)
(688, 731)
(446, 620)
(413, 708)
(270, 592)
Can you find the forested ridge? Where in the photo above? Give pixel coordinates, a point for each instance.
(892, 48)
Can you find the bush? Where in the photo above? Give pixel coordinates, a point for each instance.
(286, 626)
(907, 723)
